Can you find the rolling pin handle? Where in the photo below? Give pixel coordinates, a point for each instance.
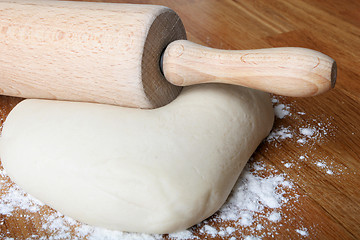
(289, 71)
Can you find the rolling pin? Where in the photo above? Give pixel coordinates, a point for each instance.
(134, 56)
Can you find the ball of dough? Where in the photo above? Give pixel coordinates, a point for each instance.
(151, 171)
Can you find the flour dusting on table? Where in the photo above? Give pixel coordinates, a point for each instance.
(257, 208)
(253, 198)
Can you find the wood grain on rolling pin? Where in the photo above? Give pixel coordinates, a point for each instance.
(100, 54)
(289, 71)
(110, 53)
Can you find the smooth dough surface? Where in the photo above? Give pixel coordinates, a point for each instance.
(151, 171)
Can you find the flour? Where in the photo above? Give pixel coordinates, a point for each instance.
(258, 205)
(281, 110)
(280, 134)
(15, 198)
(209, 230)
(274, 217)
(320, 164)
(326, 166)
(252, 195)
(288, 165)
(302, 232)
(307, 131)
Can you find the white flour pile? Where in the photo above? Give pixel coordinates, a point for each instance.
(257, 208)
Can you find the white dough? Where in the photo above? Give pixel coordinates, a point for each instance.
(151, 171)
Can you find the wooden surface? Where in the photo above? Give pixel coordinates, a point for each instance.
(329, 204)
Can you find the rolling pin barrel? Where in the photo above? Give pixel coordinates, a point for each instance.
(96, 52)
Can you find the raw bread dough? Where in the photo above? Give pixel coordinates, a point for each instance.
(152, 171)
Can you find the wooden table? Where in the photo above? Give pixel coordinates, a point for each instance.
(324, 169)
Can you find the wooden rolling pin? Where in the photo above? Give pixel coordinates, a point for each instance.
(119, 54)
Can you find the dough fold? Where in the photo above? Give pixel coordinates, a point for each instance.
(151, 171)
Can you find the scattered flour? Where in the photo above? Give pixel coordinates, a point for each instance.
(15, 198)
(288, 165)
(302, 232)
(307, 131)
(280, 134)
(253, 198)
(230, 230)
(259, 227)
(274, 217)
(307, 134)
(327, 167)
(301, 140)
(281, 110)
(209, 230)
(320, 164)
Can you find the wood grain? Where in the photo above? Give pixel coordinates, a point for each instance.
(87, 52)
(329, 205)
(93, 51)
(294, 72)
